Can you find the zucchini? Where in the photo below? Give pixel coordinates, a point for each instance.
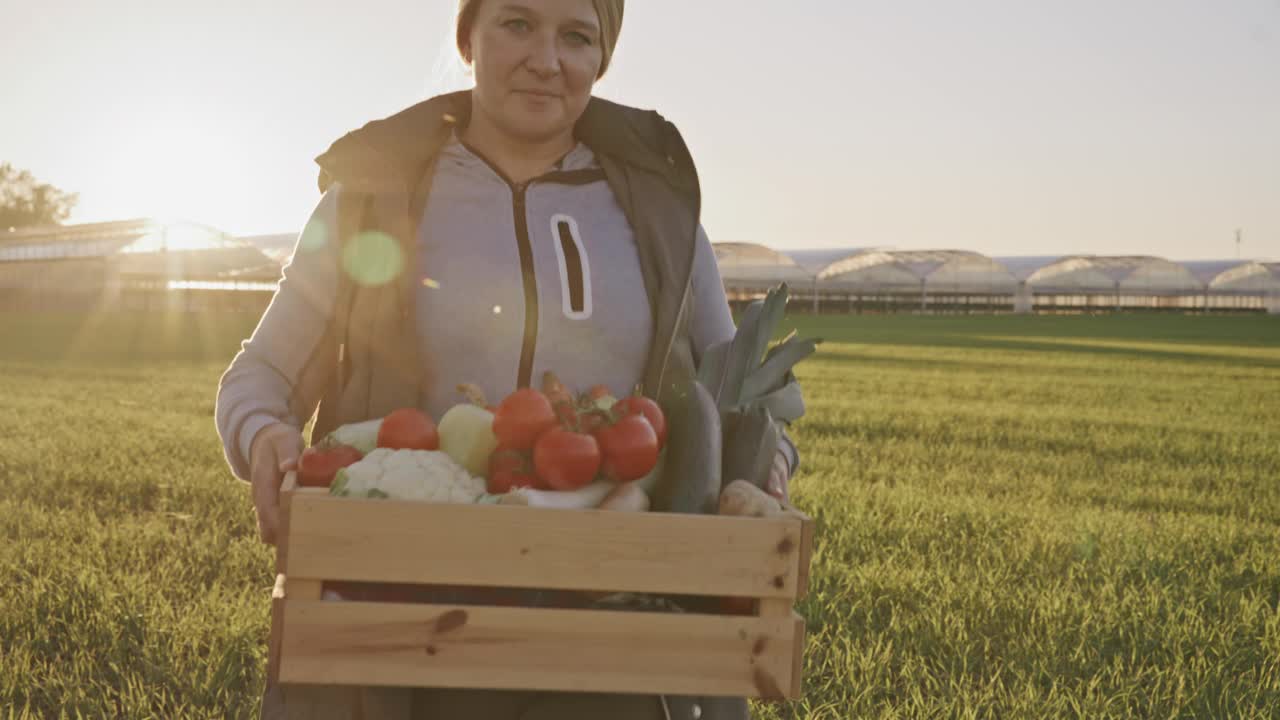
(690, 482)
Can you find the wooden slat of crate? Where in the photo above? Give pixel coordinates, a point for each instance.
(384, 541)
(540, 649)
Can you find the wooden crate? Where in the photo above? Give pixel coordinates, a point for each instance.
(530, 648)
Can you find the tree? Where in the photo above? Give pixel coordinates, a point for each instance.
(24, 201)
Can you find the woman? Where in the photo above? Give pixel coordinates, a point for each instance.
(486, 237)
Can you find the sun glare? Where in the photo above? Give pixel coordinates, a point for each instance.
(177, 236)
(174, 161)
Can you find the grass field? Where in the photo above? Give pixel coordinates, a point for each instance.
(1019, 517)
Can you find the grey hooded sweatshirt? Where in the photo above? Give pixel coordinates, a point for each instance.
(513, 280)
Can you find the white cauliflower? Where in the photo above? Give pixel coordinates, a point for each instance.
(423, 475)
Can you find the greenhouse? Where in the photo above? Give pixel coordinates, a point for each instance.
(928, 280)
(748, 270)
(145, 263)
(1120, 282)
(1238, 284)
(815, 261)
(131, 264)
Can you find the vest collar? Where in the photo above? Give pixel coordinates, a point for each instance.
(394, 152)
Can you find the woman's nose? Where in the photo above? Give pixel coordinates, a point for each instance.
(544, 57)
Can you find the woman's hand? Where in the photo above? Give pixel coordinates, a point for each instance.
(779, 477)
(274, 452)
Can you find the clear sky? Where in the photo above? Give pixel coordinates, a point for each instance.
(1009, 127)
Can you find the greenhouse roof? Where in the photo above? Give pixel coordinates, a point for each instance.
(142, 248)
(92, 240)
(949, 270)
(277, 247)
(1129, 273)
(148, 247)
(1206, 270)
(817, 260)
(1023, 267)
(750, 263)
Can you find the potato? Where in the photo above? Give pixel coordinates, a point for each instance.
(743, 499)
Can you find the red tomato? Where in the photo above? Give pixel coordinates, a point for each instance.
(566, 460)
(509, 469)
(630, 448)
(318, 465)
(633, 404)
(408, 429)
(522, 417)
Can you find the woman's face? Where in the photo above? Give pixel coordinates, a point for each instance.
(535, 63)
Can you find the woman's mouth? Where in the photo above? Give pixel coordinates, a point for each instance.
(537, 101)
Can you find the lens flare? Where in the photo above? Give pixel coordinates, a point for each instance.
(315, 236)
(372, 258)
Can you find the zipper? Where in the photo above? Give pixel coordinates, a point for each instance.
(528, 273)
(524, 377)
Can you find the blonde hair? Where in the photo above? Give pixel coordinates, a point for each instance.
(609, 13)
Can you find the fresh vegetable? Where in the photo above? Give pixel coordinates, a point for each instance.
(319, 464)
(691, 481)
(756, 391)
(466, 435)
(522, 417)
(510, 469)
(408, 475)
(633, 404)
(754, 439)
(361, 436)
(566, 460)
(626, 498)
(742, 499)
(629, 447)
(649, 482)
(408, 429)
(584, 498)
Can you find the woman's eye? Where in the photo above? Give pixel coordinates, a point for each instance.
(517, 24)
(577, 39)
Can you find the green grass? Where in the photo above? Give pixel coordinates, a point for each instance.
(1019, 517)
